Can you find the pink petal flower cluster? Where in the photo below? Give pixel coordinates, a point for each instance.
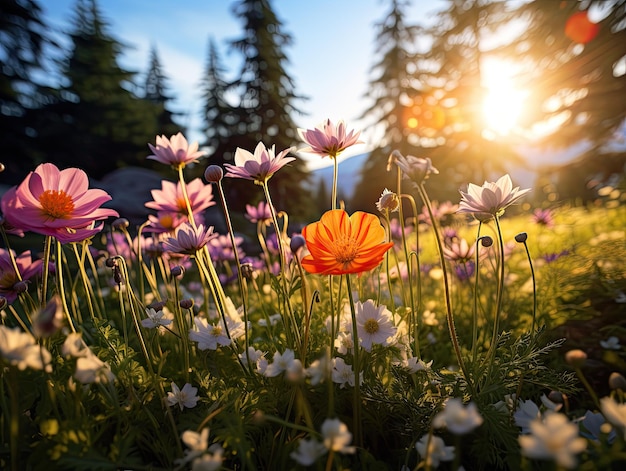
(259, 166)
(328, 139)
(260, 213)
(9, 279)
(175, 151)
(169, 203)
(57, 203)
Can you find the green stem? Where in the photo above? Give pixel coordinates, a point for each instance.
(475, 309)
(292, 331)
(491, 354)
(532, 274)
(47, 249)
(356, 368)
(242, 286)
(446, 287)
(333, 201)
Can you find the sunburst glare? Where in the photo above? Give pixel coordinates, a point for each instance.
(503, 102)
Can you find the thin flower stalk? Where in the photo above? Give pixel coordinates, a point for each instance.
(243, 288)
(413, 322)
(449, 316)
(292, 330)
(183, 327)
(60, 284)
(388, 265)
(135, 317)
(475, 307)
(356, 367)
(491, 353)
(89, 293)
(534, 281)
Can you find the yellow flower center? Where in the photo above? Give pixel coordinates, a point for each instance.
(56, 204)
(371, 326)
(345, 249)
(217, 331)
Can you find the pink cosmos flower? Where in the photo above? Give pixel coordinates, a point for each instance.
(8, 278)
(4, 209)
(221, 248)
(57, 203)
(166, 221)
(329, 140)
(189, 239)
(175, 151)
(543, 217)
(260, 213)
(458, 250)
(170, 197)
(259, 166)
(491, 199)
(416, 169)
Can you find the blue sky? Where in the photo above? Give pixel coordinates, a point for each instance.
(330, 59)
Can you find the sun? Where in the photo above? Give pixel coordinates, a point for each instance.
(503, 103)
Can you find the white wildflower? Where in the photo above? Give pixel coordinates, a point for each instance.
(185, 397)
(458, 419)
(434, 450)
(555, 438)
(20, 349)
(336, 436)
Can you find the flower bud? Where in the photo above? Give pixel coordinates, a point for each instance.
(617, 381)
(177, 270)
(48, 320)
(247, 270)
(120, 223)
(117, 275)
(486, 241)
(297, 242)
(2, 167)
(186, 303)
(157, 305)
(213, 173)
(556, 397)
(576, 358)
(388, 201)
(20, 286)
(521, 237)
(111, 262)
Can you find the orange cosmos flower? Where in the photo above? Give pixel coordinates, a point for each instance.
(340, 244)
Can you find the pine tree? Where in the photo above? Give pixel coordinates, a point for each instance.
(390, 89)
(23, 39)
(265, 109)
(450, 120)
(576, 81)
(97, 123)
(219, 116)
(155, 91)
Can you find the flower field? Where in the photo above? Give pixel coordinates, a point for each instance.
(482, 333)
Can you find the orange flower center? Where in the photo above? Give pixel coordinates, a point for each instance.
(181, 205)
(345, 249)
(167, 221)
(56, 204)
(371, 326)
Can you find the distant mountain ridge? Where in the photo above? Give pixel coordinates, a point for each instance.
(349, 173)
